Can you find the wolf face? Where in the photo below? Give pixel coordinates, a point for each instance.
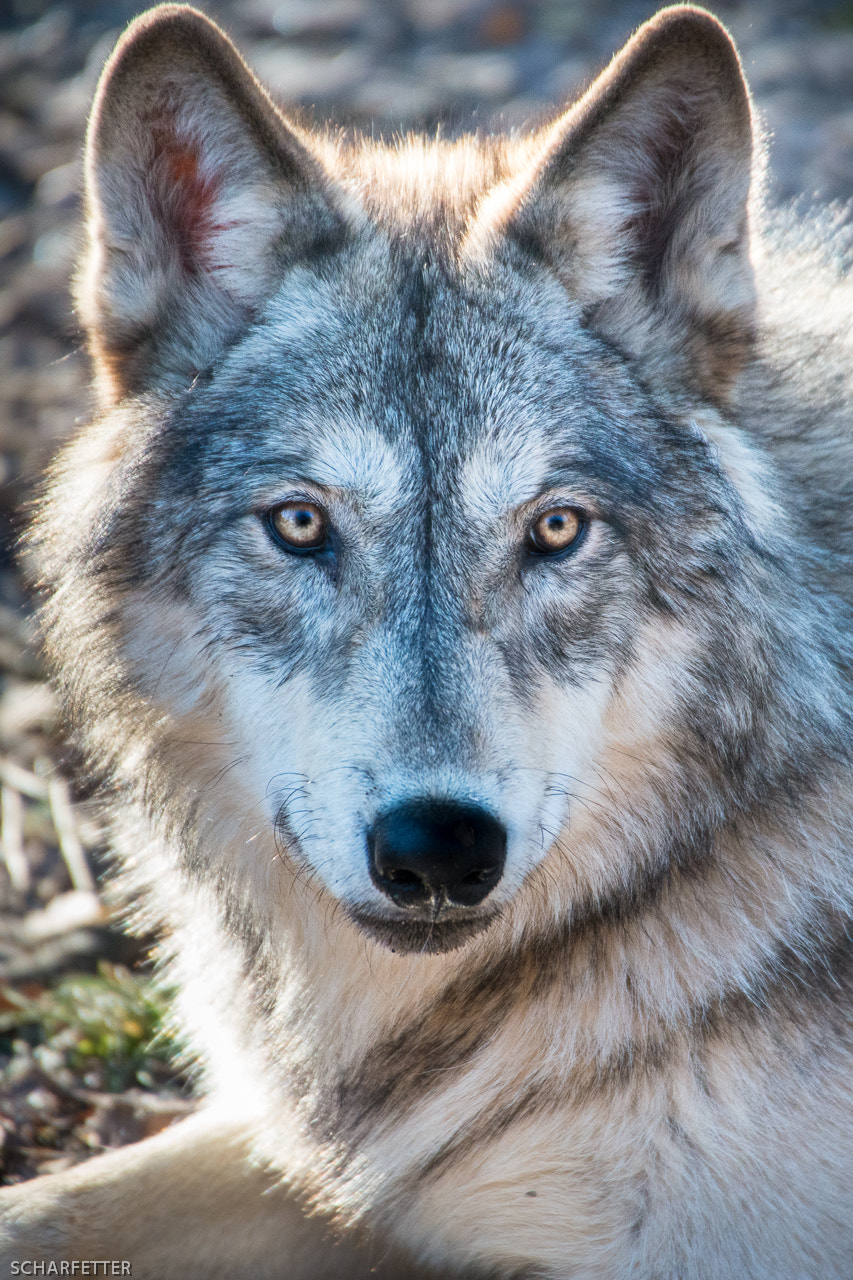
(390, 493)
(426, 645)
(425, 649)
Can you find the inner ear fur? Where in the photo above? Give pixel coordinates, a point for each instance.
(639, 197)
(199, 195)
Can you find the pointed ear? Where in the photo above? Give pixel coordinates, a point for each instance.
(199, 196)
(638, 200)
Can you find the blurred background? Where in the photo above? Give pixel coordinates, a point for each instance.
(85, 1047)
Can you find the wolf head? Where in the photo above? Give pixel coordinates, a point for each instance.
(415, 554)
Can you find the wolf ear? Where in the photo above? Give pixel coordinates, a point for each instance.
(199, 195)
(639, 199)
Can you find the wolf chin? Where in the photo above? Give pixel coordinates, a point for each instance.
(455, 587)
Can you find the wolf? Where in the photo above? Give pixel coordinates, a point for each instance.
(454, 586)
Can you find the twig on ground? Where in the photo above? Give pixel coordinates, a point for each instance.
(12, 837)
(66, 833)
(22, 780)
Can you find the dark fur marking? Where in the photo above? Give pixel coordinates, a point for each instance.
(399, 1071)
(488, 1126)
(826, 975)
(793, 985)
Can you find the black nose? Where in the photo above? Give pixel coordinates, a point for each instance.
(429, 849)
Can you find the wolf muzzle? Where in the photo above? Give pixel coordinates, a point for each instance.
(436, 851)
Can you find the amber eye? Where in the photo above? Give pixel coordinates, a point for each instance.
(299, 525)
(557, 530)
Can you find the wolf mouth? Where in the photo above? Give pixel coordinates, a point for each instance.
(421, 930)
(422, 936)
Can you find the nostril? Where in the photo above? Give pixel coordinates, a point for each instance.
(426, 849)
(405, 878)
(478, 876)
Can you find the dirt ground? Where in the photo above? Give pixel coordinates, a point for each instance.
(77, 1015)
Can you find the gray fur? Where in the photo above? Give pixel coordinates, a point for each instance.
(648, 1021)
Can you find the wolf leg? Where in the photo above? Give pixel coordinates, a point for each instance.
(184, 1205)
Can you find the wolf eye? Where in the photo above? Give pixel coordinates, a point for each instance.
(299, 525)
(556, 530)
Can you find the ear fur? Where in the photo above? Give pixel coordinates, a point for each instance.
(199, 195)
(638, 199)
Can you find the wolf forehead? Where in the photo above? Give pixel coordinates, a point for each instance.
(425, 357)
(406, 381)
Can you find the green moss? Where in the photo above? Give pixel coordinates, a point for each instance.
(113, 1024)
